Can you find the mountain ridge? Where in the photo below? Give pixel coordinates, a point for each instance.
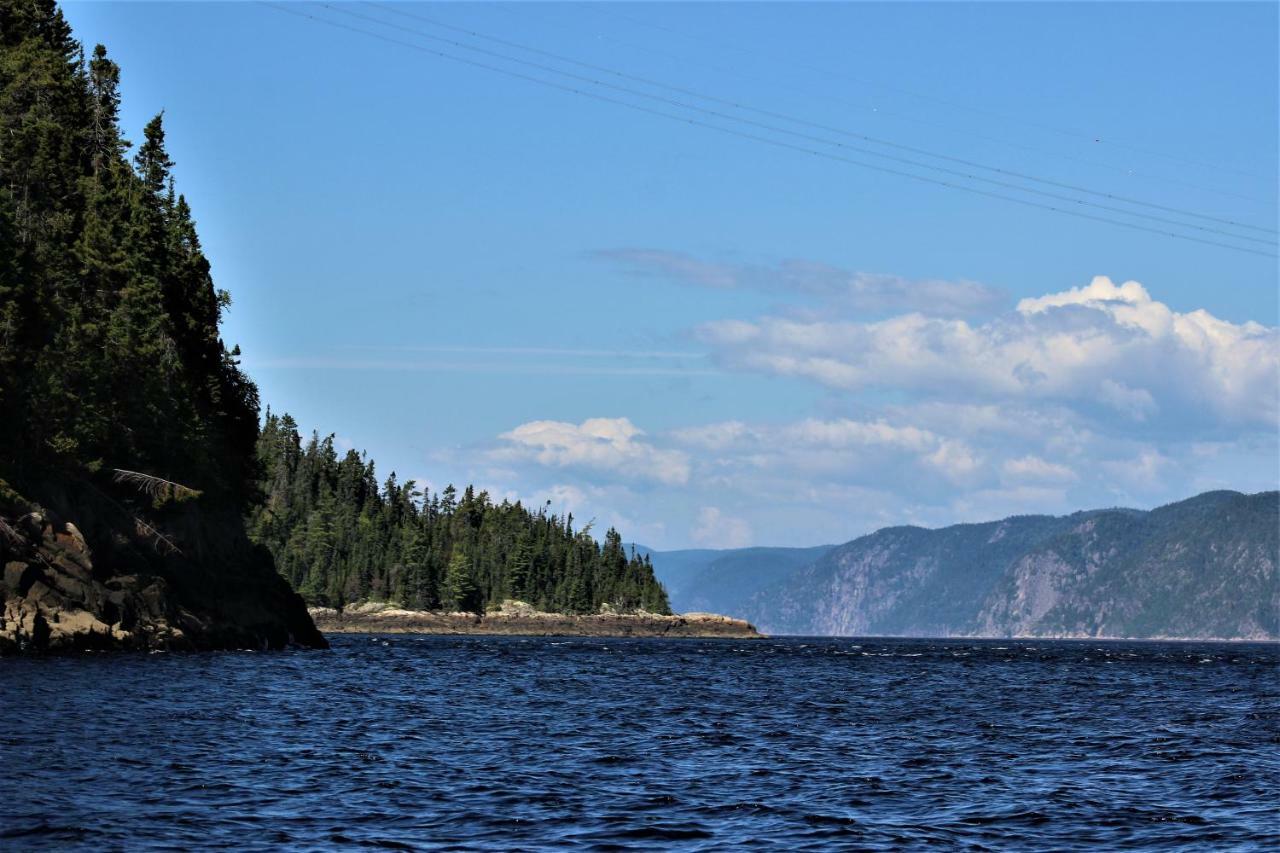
(1203, 567)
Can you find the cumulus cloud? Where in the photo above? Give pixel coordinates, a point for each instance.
(1102, 345)
(603, 444)
(1098, 395)
(862, 291)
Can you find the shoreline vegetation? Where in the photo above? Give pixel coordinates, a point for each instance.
(145, 501)
(515, 618)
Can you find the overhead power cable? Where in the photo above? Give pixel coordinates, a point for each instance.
(1269, 242)
(881, 112)
(892, 114)
(757, 138)
(604, 9)
(804, 122)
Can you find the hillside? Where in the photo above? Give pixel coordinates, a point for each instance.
(1204, 567)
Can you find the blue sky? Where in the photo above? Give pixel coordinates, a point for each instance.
(710, 340)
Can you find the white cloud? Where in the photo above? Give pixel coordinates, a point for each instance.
(1099, 291)
(1142, 472)
(862, 291)
(561, 498)
(1100, 345)
(811, 432)
(955, 460)
(1135, 403)
(815, 448)
(832, 479)
(714, 529)
(1033, 468)
(852, 433)
(602, 444)
(1094, 396)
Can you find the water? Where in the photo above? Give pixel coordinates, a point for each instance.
(612, 744)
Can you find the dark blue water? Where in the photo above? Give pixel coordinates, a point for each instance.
(613, 744)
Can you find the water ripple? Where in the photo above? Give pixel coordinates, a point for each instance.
(498, 743)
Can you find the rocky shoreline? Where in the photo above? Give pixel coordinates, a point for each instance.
(98, 586)
(521, 620)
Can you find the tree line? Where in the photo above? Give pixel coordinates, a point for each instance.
(341, 537)
(114, 376)
(110, 354)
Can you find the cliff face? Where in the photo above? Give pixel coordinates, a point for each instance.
(125, 589)
(1205, 567)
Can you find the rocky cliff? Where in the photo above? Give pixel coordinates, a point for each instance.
(1202, 568)
(106, 584)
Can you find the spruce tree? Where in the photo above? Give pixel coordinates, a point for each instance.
(459, 590)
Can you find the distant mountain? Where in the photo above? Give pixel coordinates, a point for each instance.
(674, 569)
(724, 581)
(1201, 568)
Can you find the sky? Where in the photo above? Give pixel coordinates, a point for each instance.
(721, 339)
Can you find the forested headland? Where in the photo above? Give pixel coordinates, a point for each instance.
(131, 449)
(110, 354)
(341, 537)
(128, 430)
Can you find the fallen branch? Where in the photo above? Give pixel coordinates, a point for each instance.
(157, 488)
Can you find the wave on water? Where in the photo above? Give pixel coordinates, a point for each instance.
(503, 742)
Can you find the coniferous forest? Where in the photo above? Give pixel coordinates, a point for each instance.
(340, 537)
(122, 403)
(110, 355)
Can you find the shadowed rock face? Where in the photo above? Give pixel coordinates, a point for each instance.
(60, 594)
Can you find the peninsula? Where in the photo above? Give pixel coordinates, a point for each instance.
(519, 619)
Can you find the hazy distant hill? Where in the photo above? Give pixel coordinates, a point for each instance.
(674, 569)
(724, 581)
(1203, 567)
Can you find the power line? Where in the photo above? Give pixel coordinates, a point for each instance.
(928, 97)
(884, 113)
(753, 137)
(799, 121)
(810, 138)
(767, 140)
